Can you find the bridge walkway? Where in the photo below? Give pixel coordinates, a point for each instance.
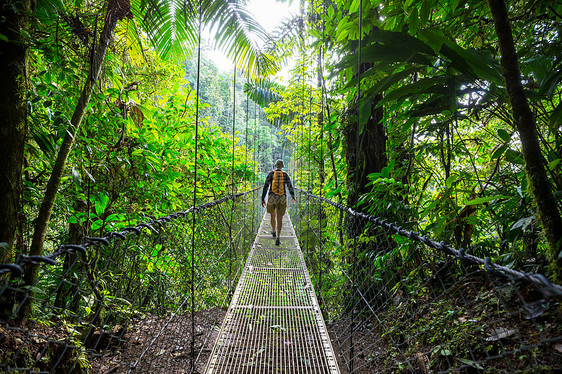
(274, 323)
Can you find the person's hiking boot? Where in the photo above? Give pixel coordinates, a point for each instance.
(277, 242)
(273, 233)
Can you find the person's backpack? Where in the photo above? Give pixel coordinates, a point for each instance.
(278, 183)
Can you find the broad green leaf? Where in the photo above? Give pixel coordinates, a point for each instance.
(401, 40)
(539, 66)
(449, 182)
(414, 20)
(554, 163)
(101, 204)
(97, 224)
(364, 114)
(114, 217)
(384, 53)
(481, 200)
(385, 172)
(504, 135)
(523, 223)
(354, 7)
(556, 116)
(472, 64)
(35, 289)
(342, 30)
(436, 104)
(457, 60)
(499, 152)
(44, 140)
(550, 82)
(455, 4)
(386, 82)
(425, 11)
(414, 89)
(515, 157)
(331, 11)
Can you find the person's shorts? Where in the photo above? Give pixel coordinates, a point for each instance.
(276, 202)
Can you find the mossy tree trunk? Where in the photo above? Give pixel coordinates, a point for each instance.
(365, 152)
(13, 127)
(539, 185)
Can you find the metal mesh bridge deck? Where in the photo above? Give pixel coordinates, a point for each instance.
(274, 323)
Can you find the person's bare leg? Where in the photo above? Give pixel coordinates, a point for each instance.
(273, 215)
(279, 223)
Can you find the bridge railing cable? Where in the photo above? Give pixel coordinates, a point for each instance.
(122, 302)
(398, 301)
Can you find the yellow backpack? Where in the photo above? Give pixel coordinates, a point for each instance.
(278, 183)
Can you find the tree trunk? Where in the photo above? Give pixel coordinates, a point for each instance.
(13, 128)
(369, 156)
(539, 185)
(116, 10)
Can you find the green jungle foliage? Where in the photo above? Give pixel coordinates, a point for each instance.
(397, 108)
(133, 157)
(431, 87)
(453, 165)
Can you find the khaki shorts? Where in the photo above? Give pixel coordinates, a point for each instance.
(276, 202)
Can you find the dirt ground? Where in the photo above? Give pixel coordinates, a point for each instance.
(163, 345)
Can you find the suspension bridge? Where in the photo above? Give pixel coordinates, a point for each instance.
(206, 291)
(274, 323)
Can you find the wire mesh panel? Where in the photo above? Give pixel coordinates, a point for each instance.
(274, 323)
(398, 302)
(140, 299)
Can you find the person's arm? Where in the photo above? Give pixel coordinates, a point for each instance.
(266, 186)
(290, 186)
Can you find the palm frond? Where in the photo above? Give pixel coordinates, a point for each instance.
(285, 38)
(128, 34)
(238, 34)
(170, 25)
(263, 91)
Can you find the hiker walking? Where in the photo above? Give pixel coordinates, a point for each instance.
(276, 182)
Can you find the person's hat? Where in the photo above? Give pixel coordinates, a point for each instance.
(279, 164)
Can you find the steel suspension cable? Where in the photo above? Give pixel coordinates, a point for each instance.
(321, 180)
(197, 91)
(357, 181)
(255, 132)
(230, 280)
(246, 138)
(299, 153)
(322, 93)
(233, 117)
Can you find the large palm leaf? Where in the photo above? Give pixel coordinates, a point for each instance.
(171, 25)
(265, 92)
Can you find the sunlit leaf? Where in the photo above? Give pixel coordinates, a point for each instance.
(486, 199)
